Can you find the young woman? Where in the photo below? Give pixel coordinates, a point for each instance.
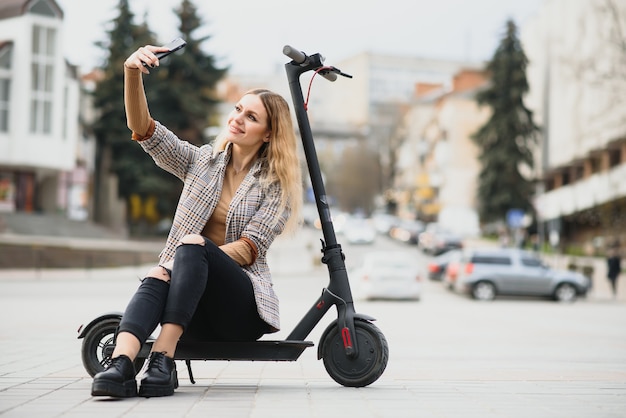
(213, 282)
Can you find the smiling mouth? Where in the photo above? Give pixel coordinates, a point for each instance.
(235, 129)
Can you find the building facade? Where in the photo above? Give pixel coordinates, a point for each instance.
(43, 163)
(437, 162)
(370, 109)
(577, 77)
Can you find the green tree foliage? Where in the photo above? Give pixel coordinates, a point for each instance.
(506, 140)
(185, 100)
(110, 128)
(180, 95)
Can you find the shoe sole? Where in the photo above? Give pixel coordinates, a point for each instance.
(148, 390)
(127, 389)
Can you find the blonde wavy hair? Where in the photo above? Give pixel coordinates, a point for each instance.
(283, 165)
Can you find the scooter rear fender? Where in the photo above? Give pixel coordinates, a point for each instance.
(82, 330)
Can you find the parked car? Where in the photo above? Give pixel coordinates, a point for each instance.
(426, 236)
(437, 266)
(460, 220)
(406, 230)
(444, 241)
(439, 241)
(387, 275)
(359, 231)
(338, 218)
(486, 273)
(383, 222)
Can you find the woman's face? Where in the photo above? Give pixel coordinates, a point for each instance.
(247, 123)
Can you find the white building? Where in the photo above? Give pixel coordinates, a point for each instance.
(437, 163)
(577, 77)
(40, 169)
(369, 109)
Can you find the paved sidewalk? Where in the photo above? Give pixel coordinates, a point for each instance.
(449, 356)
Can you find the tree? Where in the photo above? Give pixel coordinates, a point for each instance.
(110, 127)
(185, 100)
(180, 95)
(601, 70)
(507, 139)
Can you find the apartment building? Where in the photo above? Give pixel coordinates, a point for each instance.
(437, 162)
(369, 109)
(577, 77)
(43, 167)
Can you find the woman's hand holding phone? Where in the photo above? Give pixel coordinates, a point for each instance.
(148, 56)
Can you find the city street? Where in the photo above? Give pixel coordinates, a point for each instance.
(450, 356)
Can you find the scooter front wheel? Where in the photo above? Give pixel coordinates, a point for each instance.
(363, 369)
(96, 347)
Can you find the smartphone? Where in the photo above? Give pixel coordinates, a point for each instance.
(173, 46)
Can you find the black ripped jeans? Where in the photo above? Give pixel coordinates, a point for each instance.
(209, 295)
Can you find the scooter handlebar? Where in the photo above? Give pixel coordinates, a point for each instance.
(296, 55)
(300, 57)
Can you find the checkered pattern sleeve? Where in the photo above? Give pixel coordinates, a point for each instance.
(170, 152)
(268, 222)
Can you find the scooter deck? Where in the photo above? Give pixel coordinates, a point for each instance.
(253, 350)
(262, 350)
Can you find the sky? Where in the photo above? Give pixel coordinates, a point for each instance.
(248, 36)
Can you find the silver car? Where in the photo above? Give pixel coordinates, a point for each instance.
(485, 273)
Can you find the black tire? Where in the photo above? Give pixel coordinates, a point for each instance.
(96, 340)
(362, 370)
(566, 293)
(484, 290)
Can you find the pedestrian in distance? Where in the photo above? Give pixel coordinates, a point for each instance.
(614, 267)
(212, 282)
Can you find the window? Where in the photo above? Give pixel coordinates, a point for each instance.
(5, 85)
(42, 76)
(531, 262)
(65, 105)
(42, 8)
(491, 259)
(578, 172)
(596, 165)
(615, 157)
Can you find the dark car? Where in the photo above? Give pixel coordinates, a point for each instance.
(444, 241)
(437, 266)
(436, 240)
(486, 273)
(407, 231)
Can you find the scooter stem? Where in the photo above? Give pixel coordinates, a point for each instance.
(339, 286)
(321, 199)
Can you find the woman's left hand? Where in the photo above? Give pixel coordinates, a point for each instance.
(145, 54)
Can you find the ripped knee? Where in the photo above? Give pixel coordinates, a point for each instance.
(192, 239)
(158, 272)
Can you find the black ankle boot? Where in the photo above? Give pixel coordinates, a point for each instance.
(161, 378)
(117, 380)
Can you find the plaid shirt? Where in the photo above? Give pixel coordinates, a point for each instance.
(253, 212)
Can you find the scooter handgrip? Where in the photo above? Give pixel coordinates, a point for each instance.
(298, 56)
(330, 76)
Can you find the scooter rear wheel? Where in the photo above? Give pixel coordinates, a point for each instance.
(95, 343)
(367, 366)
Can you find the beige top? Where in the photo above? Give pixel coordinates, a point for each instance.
(215, 229)
(142, 125)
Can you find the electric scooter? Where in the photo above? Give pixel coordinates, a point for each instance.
(354, 351)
